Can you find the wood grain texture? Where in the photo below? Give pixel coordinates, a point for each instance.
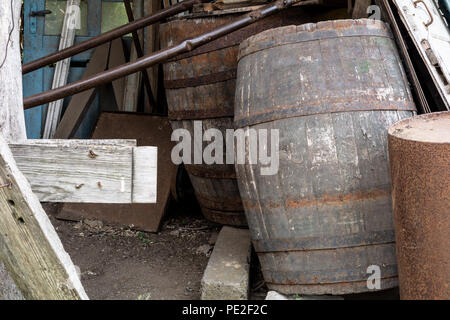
(29, 246)
(93, 171)
(326, 215)
(79, 104)
(12, 120)
(117, 58)
(148, 130)
(62, 68)
(145, 161)
(71, 172)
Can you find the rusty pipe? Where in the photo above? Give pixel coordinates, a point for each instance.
(108, 36)
(154, 58)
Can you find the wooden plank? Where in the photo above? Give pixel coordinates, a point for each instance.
(117, 58)
(148, 130)
(12, 120)
(145, 161)
(30, 248)
(152, 45)
(69, 171)
(79, 104)
(62, 68)
(95, 171)
(133, 81)
(360, 9)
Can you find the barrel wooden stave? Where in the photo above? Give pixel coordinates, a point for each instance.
(327, 215)
(200, 85)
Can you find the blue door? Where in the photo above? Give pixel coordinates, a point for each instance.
(41, 37)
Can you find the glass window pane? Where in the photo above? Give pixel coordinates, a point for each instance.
(54, 21)
(113, 15)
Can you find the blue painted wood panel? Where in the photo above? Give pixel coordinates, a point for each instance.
(37, 45)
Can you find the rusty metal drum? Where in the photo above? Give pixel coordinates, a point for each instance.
(200, 86)
(332, 90)
(419, 155)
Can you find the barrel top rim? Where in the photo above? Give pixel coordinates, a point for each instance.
(311, 32)
(426, 128)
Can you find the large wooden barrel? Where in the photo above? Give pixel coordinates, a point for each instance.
(419, 154)
(331, 89)
(200, 85)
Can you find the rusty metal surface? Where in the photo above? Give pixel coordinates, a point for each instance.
(156, 57)
(108, 36)
(364, 75)
(326, 216)
(201, 80)
(419, 153)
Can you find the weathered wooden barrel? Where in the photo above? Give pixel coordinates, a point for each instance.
(331, 90)
(200, 86)
(419, 155)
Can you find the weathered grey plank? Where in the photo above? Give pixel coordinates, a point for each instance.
(29, 245)
(93, 171)
(62, 69)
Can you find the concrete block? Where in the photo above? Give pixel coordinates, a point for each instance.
(227, 275)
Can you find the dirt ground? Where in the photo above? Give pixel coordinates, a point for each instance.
(120, 263)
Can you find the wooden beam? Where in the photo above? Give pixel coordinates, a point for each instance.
(80, 103)
(92, 171)
(117, 58)
(133, 81)
(29, 246)
(360, 9)
(12, 120)
(62, 68)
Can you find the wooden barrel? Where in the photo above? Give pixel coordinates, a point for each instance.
(419, 154)
(200, 85)
(331, 90)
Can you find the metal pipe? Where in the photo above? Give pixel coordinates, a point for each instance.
(154, 58)
(140, 53)
(108, 36)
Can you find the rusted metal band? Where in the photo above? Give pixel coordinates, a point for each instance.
(307, 277)
(235, 38)
(223, 205)
(333, 106)
(329, 200)
(324, 242)
(235, 218)
(200, 81)
(211, 172)
(177, 115)
(310, 32)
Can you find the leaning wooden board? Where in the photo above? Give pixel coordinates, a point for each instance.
(147, 130)
(29, 246)
(102, 171)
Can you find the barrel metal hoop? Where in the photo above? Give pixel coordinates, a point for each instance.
(324, 242)
(201, 80)
(251, 46)
(177, 115)
(202, 172)
(229, 205)
(283, 112)
(312, 277)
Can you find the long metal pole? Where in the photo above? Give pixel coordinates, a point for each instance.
(157, 57)
(108, 36)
